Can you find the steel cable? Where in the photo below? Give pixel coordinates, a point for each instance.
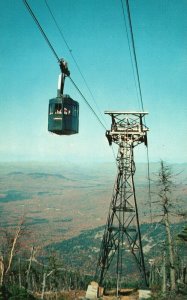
(133, 71)
(87, 102)
(141, 98)
(134, 52)
(41, 29)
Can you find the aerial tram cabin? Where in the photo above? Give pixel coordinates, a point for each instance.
(63, 113)
(63, 116)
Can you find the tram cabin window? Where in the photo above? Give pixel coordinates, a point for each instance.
(55, 108)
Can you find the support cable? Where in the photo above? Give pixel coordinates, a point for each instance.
(134, 53)
(87, 103)
(141, 99)
(73, 57)
(41, 29)
(135, 83)
(149, 186)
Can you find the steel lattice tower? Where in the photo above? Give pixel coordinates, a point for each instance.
(122, 231)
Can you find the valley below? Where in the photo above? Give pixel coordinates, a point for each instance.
(59, 202)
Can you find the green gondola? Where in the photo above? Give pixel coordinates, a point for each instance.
(63, 115)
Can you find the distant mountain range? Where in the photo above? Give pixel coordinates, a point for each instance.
(60, 201)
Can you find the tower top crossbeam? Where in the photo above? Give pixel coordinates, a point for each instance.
(142, 113)
(128, 127)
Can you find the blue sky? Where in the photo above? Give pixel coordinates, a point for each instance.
(94, 30)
